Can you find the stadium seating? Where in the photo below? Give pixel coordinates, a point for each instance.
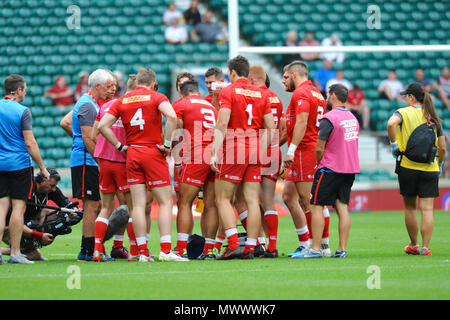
(115, 34)
(126, 34)
(266, 23)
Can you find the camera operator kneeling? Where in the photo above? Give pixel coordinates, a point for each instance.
(42, 223)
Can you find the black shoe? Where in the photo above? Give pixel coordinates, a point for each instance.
(248, 255)
(259, 250)
(270, 254)
(231, 254)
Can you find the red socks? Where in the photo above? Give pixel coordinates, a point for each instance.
(232, 237)
(218, 243)
(166, 243)
(134, 251)
(271, 219)
(209, 245)
(182, 239)
(326, 216)
(243, 217)
(326, 229)
(118, 241)
(101, 225)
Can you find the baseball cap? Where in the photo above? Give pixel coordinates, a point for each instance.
(416, 89)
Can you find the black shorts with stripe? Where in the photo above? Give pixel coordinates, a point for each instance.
(16, 184)
(85, 182)
(329, 186)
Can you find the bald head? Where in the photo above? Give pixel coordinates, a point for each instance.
(257, 75)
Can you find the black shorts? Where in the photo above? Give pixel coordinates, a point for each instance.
(16, 184)
(329, 186)
(85, 183)
(415, 183)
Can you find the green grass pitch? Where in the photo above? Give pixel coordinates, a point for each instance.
(376, 239)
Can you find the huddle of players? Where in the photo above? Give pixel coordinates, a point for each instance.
(229, 149)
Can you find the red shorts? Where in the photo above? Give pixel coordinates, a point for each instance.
(147, 165)
(112, 177)
(271, 170)
(239, 163)
(239, 172)
(304, 166)
(197, 174)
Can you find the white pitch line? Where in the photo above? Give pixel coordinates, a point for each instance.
(221, 271)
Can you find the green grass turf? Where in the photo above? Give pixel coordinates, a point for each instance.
(376, 238)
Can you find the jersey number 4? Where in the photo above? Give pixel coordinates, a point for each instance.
(137, 120)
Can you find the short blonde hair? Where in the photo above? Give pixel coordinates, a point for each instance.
(145, 76)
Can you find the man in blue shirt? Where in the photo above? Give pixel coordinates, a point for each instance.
(17, 144)
(322, 76)
(84, 168)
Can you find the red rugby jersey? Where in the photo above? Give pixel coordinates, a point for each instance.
(199, 120)
(306, 98)
(140, 116)
(247, 104)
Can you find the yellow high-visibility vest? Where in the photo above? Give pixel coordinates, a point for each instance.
(412, 118)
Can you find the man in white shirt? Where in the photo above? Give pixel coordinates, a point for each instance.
(340, 78)
(391, 87)
(176, 33)
(171, 13)
(332, 41)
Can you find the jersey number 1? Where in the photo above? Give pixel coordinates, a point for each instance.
(249, 110)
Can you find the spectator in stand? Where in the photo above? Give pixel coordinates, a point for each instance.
(420, 78)
(357, 104)
(391, 87)
(61, 94)
(309, 41)
(340, 78)
(192, 17)
(322, 76)
(291, 41)
(82, 85)
(442, 86)
(209, 31)
(171, 13)
(176, 33)
(333, 41)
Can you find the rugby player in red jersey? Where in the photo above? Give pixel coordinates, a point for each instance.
(258, 76)
(243, 111)
(181, 78)
(305, 110)
(213, 74)
(198, 118)
(141, 111)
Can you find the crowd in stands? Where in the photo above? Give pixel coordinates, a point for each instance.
(190, 27)
(64, 97)
(388, 89)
